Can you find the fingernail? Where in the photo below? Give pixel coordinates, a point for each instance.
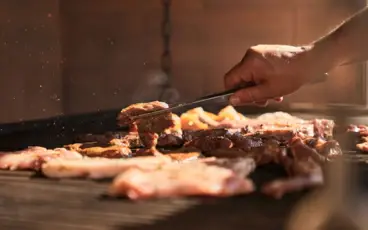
(234, 100)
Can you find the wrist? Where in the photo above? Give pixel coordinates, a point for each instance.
(315, 61)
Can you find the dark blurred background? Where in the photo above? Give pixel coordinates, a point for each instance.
(77, 56)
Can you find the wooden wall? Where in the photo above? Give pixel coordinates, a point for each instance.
(72, 56)
(30, 54)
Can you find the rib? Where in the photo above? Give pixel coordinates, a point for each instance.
(99, 168)
(180, 180)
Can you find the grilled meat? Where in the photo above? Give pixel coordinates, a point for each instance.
(304, 168)
(149, 128)
(198, 119)
(124, 118)
(93, 150)
(99, 168)
(329, 149)
(33, 157)
(208, 143)
(180, 180)
(241, 166)
(229, 113)
(131, 139)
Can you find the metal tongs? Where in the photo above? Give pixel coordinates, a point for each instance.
(222, 97)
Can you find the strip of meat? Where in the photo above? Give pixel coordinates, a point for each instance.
(208, 143)
(99, 168)
(329, 149)
(303, 167)
(33, 157)
(149, 128)
(93, 150)
(180, 180)
(131, 139)
(278, 188)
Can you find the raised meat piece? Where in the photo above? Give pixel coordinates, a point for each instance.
(149, 128)
(177, 180)
(99, 168)
(33, 157)
(93, 150)
(124, 118)
(303, 167)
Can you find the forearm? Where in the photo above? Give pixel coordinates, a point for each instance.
(348, 43)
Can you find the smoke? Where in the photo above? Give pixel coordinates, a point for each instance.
(151, 88)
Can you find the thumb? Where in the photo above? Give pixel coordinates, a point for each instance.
(250, 95)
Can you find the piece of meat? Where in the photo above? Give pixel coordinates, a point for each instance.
(303, 167)
(229, 113)
(99, 168)
(363, 146)
(329, 149)
(148, 152)
(93, 150)
(323, 127)
(241, 166)
(198, 119)
(129, 139)
(124, 117)
(172, 139)
(263, 151)
(184, 156)
(229, 153)
(189, 135)
(33, 157)
(177, 180)
(148, 128)
(208, 143)
(245, 142)
(278, 188)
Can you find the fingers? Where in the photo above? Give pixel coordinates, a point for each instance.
(238, 74)
(259, 93)
(261, 104)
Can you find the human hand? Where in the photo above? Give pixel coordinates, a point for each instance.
(277, 71)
